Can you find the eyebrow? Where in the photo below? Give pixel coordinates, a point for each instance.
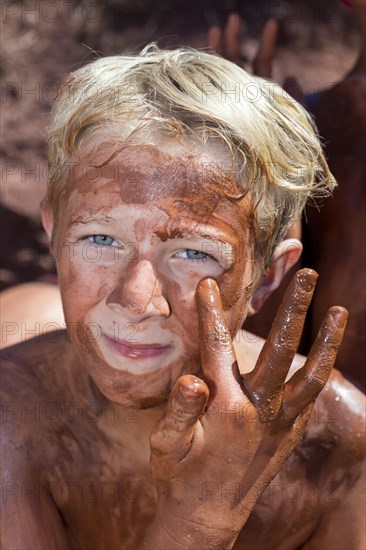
(83, 220)
(176, 233)
(213, 236)
(201, 231)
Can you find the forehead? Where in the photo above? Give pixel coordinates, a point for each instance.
(188, 180)
(159, 167)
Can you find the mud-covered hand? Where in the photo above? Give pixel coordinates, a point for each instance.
(223, 439)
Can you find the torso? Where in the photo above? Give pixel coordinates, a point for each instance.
(101, 483)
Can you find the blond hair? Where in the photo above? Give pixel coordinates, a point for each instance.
(278, 155)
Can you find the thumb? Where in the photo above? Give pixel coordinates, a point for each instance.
(174, 432)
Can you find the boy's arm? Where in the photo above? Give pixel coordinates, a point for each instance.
(29, 518)
(35, 525)
(209, 472)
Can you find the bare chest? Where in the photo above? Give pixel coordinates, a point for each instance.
(106, 497)
(108, 503)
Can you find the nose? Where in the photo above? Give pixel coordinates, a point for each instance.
(139, 293)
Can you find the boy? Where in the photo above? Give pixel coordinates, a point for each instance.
(168, 201)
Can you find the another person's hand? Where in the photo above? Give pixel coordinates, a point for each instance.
(227, 43)
(223, 439)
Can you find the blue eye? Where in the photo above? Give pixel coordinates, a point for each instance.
(196, 254)
(191, 254)
(102, 240)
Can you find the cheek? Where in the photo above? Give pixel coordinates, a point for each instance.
(235, 289)
(83, 282)
(181, 296)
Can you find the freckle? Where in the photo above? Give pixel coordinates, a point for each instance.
(140, 229)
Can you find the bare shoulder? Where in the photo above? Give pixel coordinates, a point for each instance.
(333, 448)
(32, 393)
(37, 382)
(37, 368)
(332, 455)
(338, 419)
(343, 409)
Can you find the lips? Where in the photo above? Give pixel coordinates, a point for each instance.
(137, 351)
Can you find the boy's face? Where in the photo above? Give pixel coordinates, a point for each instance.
(134, 238)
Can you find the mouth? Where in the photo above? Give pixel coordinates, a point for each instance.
(137, 351)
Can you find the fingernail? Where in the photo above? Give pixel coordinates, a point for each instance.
(340, 316)
(211, 286)
(307, 279)
(191, 390)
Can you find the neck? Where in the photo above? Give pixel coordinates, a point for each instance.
(124, 424)
(113, 419)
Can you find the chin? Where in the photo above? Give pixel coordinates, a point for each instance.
(131, 395)
(139, 390)
(138, 382)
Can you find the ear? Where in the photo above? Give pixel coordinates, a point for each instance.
(285, 256)
(47, 217)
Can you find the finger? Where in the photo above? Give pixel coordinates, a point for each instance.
(267, 379)
(307, 383)
(262, 65)
(187, 401)
(218, 359)
(293, 88)
(232, 33)
(214, 39)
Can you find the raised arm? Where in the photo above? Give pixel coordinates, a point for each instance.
(209, 473)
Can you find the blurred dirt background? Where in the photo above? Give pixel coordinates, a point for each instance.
(42, 41)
